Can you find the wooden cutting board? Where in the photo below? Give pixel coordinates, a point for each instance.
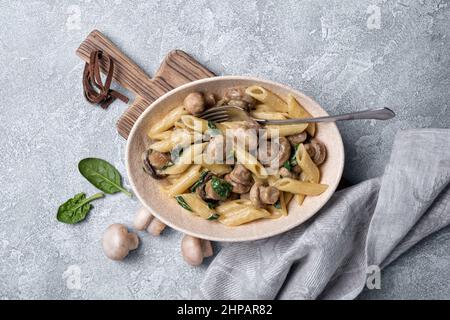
(176, 69)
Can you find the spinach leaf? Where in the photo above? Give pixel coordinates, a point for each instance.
(212, 204)
(287, 165)
(183, 203)
(199, 181)
(102, 175)
(221, 187)
(76, 209)
(293, 160)
(214, 216)
(277, 204)
(212, 125)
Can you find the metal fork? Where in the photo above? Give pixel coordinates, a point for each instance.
(229, 113)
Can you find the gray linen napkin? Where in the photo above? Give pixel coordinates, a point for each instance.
(366, 225)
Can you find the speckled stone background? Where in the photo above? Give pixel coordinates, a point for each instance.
(348, 55)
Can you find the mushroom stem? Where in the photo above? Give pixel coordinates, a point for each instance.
(156, 227)
(142, 219)
(133, 241)
(207, 248)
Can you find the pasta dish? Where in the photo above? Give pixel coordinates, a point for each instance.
(236, 171)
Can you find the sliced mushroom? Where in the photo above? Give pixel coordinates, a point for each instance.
(238, 97)
(254, 195)
(296, 169)
(234, 196)
(298, 138)
(216, 149)
(194, 103)
(276, 157)
(237, 187)
(317, 151)
(285, 173)
(245, 135)
(148, 167)
(210, 99)
(200, 190)
(284, 151)
(159, 160)
(260, 194)
(269, 194)
(240, 174)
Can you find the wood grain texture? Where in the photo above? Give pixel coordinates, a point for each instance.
(176, 69)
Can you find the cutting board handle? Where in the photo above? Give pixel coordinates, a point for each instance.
(127, 73)
(176, 69)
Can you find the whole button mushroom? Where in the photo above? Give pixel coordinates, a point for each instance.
(117, 241)
(194, 103)
(195, 249)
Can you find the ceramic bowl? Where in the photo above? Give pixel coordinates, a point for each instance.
(168, 211)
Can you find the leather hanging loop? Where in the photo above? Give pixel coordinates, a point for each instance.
(94, 90)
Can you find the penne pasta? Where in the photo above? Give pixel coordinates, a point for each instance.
(295, 110)
(189, 156)
(165, 135)
(268, 98)
(309, 168)
(300, 198)
(167, 122)
(285, 130)
(197, 205)
(300, 187)
(268, 115)
(217, 168)
(263, 108)
(194, 123)
(162, 146)
(181, 137)
(250, 162)
(280, 208)
(288, 197)
(186, 180)
(233, 205)
(242, 215)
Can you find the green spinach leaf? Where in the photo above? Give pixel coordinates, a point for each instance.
(277, 204)
(293, 159)
(211, 125)
(183, 203)
(76, 209)
(199, 181)
(287, 165)
(214, 216)
(221, 187)
(102, 175)
(212, 204)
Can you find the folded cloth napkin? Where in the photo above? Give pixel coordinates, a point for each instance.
(360, 229)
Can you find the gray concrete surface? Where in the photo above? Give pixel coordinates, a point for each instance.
(348, 55)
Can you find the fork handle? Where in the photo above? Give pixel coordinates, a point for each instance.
(379, 114)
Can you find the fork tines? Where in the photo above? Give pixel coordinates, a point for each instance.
(214, 115)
